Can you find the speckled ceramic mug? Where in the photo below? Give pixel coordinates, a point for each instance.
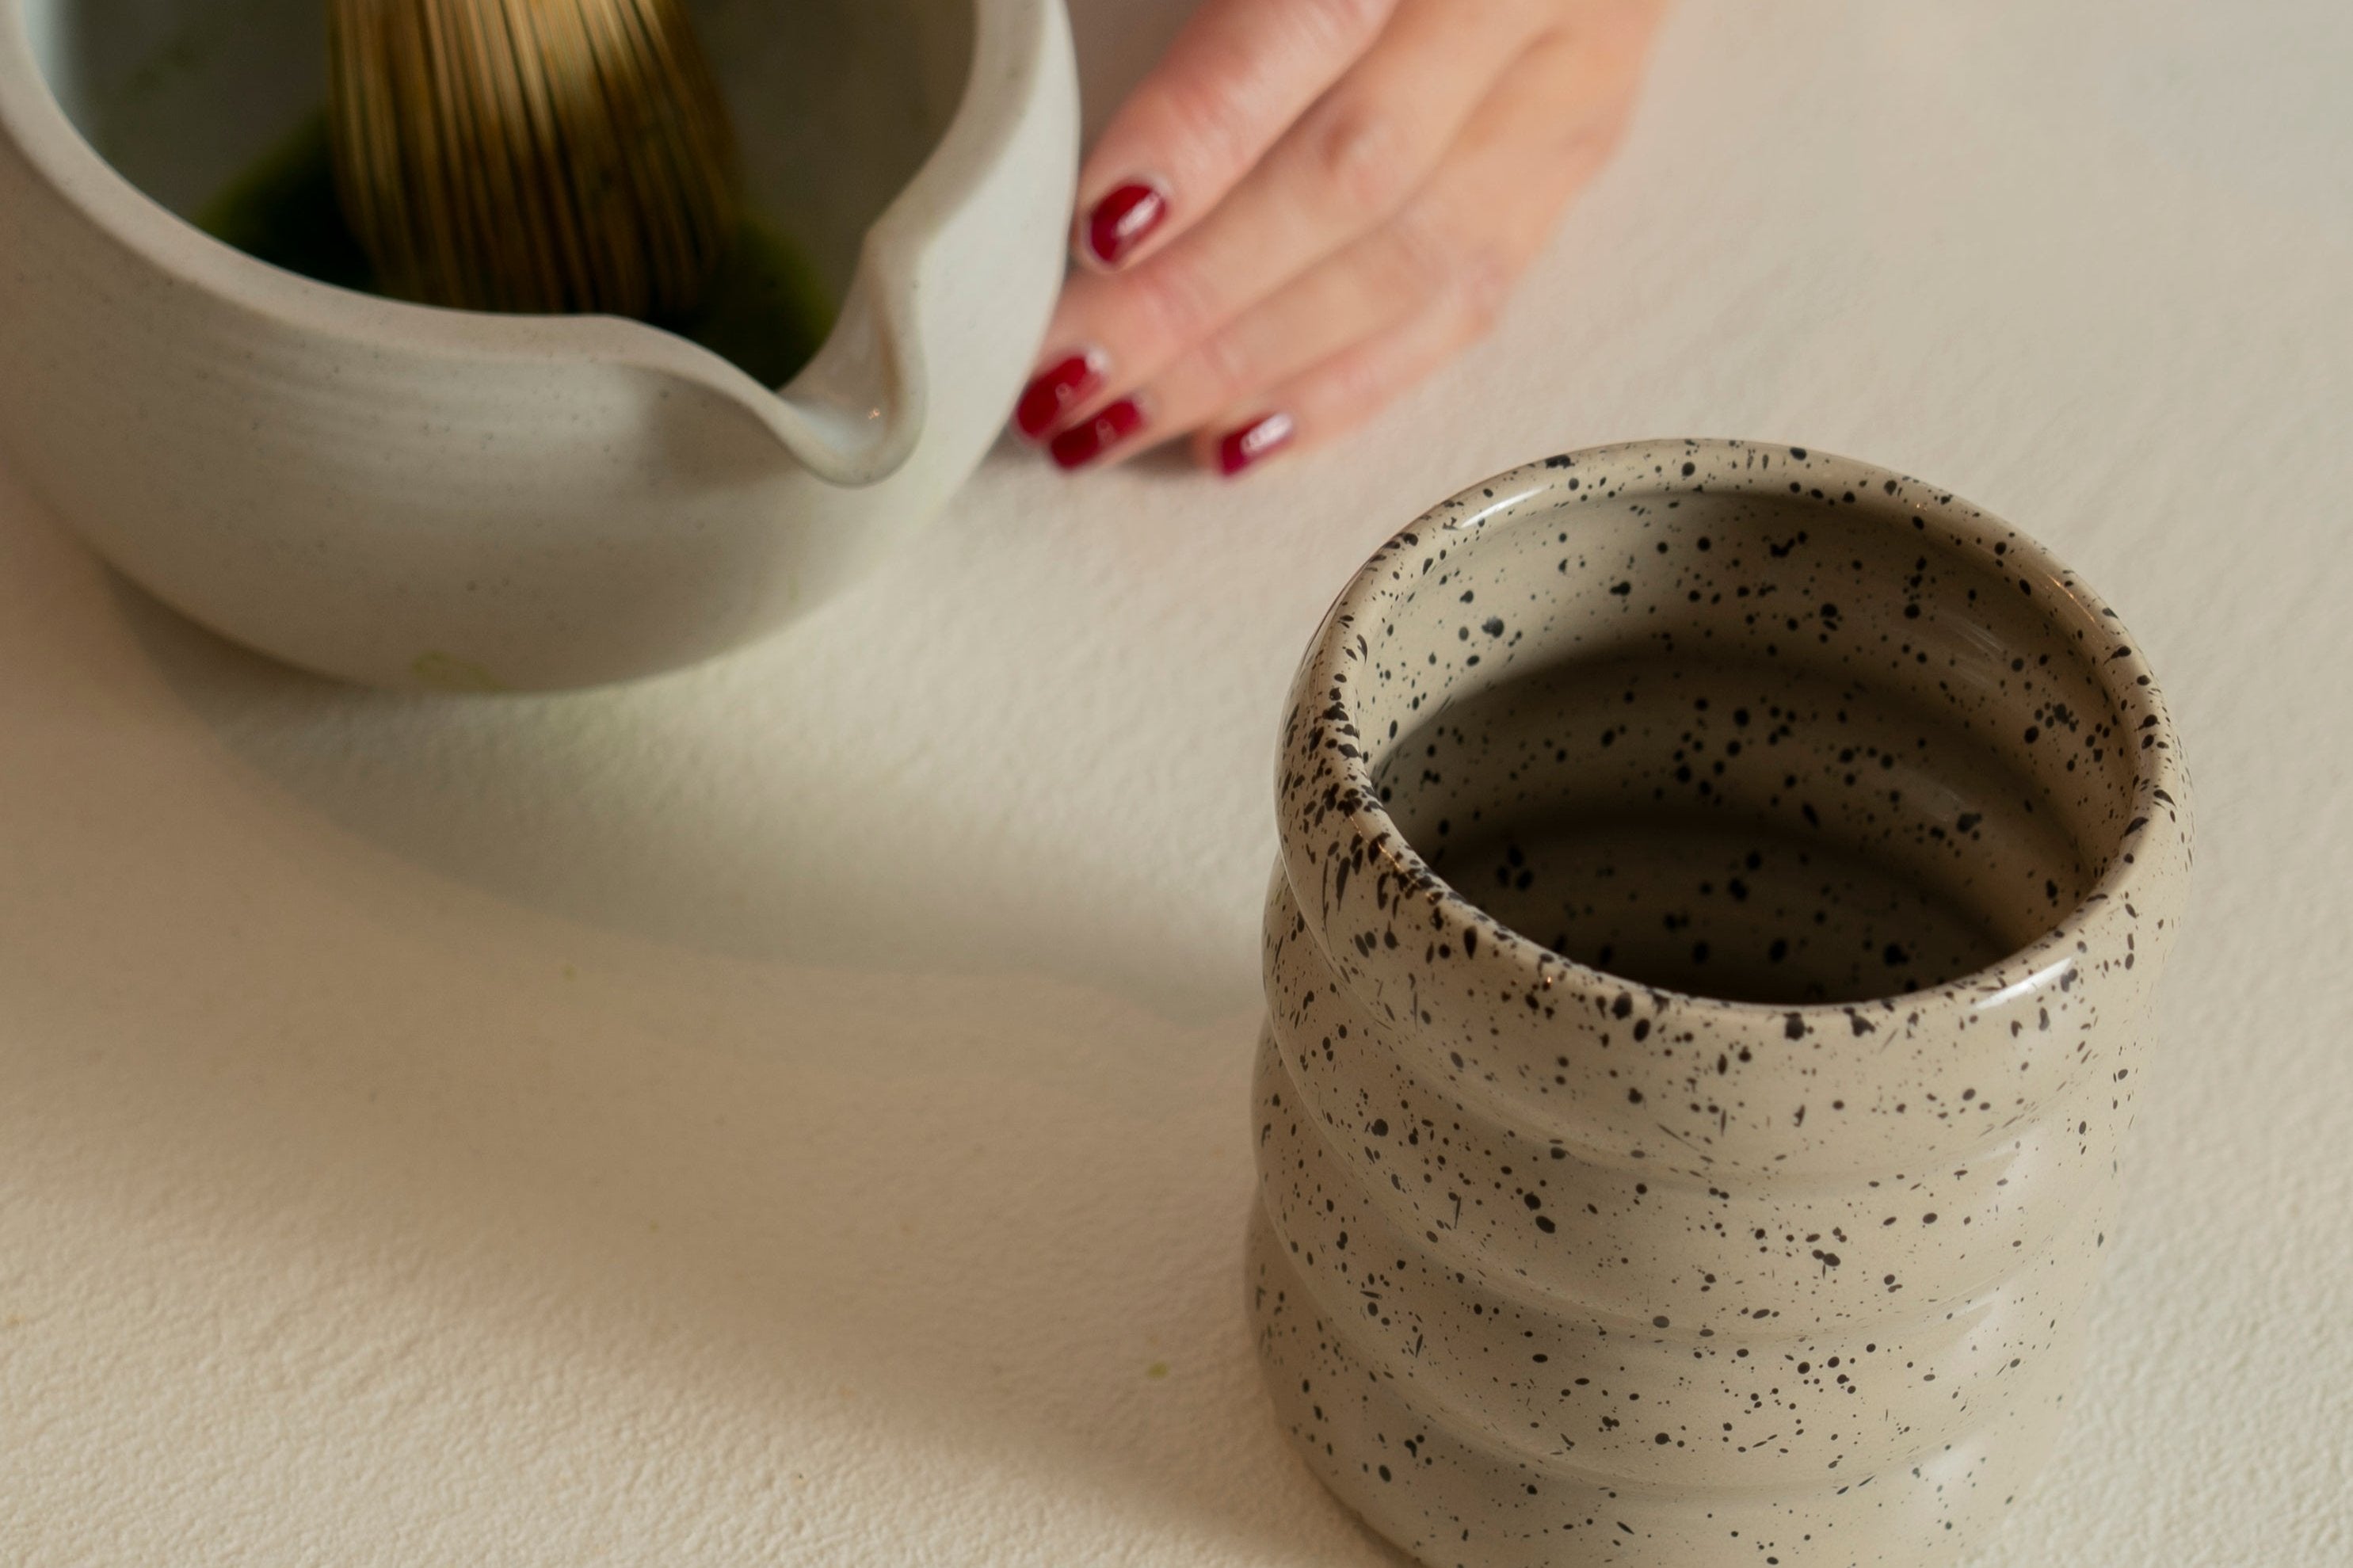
(1720, 891)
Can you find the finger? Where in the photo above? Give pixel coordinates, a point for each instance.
(1340, 393)
(1239, 72)
(1466, 291)
(1374, 284)
(1348, 163)
(1451, 254)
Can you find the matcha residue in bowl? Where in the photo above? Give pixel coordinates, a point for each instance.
(765, 311)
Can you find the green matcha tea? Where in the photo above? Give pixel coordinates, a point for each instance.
(765, 311)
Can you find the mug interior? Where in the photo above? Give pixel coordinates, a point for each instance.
(836, 102)
(1778, 744)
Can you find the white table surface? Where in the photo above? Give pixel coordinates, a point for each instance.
(793, 1112)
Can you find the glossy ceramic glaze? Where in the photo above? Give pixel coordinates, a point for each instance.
(405, 496)
(1708, 972)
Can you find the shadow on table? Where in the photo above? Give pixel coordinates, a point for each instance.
(702, 811)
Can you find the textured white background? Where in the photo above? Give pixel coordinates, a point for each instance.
(795, 1112)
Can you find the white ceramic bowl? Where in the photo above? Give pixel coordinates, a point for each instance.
(405, 495)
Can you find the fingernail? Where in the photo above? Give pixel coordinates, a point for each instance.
(1066, 382)
(1241, 446)
(1092, 437)
(1122, 220)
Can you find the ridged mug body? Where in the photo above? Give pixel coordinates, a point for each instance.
(1707, 973)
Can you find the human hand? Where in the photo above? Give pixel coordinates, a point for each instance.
(1310, 203)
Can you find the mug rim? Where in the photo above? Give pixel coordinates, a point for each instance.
(1359, 822)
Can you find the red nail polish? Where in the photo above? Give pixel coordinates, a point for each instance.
(1092, 437)
(1063, 384)
(1122, 220)
(1263, 436)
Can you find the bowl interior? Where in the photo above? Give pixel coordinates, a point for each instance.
(836, 102)
(1780, 748)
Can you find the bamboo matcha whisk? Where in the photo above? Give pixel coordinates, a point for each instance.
(538, 155)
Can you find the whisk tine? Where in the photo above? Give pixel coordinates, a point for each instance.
(431, 132)
(567, 270)
(531, 155)
(693, 155)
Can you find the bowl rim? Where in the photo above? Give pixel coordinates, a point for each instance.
(1320, 740)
